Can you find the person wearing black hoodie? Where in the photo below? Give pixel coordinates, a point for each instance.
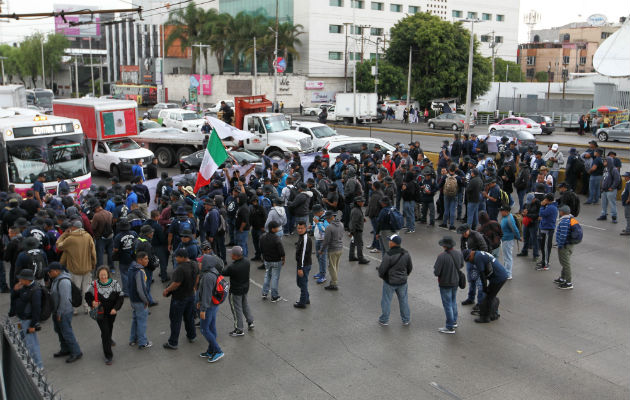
(303, 250)
(238, 272)
(611, 182)
(410, 193)
(242, 224)
(530, 222)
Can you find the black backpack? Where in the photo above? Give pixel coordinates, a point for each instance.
(76, 298)
(47, 303)
(36, 259)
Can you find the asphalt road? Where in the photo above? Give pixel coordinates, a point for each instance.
(548, 343)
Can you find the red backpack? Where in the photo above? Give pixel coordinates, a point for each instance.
(221, 290)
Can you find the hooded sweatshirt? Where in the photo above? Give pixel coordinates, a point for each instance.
(548, 215)
(277, 214)
(61, 293)
(300, 205)
(333, 238)
(611, 178)
(208, 281)
(79, 252)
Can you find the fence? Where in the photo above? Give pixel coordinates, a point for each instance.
(19, 376)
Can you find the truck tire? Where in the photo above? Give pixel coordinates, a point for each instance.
(165, 156)
(183, 152)
(275, 154)
(115, 171)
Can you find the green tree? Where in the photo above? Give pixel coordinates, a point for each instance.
(439, 57)
(54, 49)
(12, 63)
(391, 79)
(215, 32)
(288, 39)
(541, 76)
(29, 57)
(513, 69)
(188, 26)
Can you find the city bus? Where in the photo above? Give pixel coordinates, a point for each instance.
(32, 143)
(144, 95)
(40, 98)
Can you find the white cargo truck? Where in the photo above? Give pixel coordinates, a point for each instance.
(12, 96)
(362, 106)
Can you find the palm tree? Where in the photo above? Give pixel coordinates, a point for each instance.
(215, 32)
(288, 38)
(187, 28)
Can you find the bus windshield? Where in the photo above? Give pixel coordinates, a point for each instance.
(44, 99)
(64, 156)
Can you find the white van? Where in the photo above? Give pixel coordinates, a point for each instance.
(185, 120)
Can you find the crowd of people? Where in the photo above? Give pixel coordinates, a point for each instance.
(65, 251)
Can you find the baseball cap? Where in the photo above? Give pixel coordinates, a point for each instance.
(396, 239)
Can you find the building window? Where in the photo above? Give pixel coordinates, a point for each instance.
(395, 7)
(376, 31)
(565, 38)
(531, 72)
(354, 56)
(531, 60)
(372, 56)
(377, 6)
(498, 39)
(484, 38)
(335, 29)
(486, 17)
(457, 14)
(500, 17)
(472, 15)
(357, 4)
(582, 60)
(335, 55)
(566, 60)
(605, 35)
(414, 9)
(356, 30)
(336, 3)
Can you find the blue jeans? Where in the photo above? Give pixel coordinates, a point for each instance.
(339, 184)
(149, 282)
(231, 230)
(475, 288)
(182, 310)
(31, 342)
(460, 202)
(272, 276)
(124, 277)
(104, 246)
(594, 188)
(321, 259)
(472, 212)
(531, 238)
(409, 211)
(521, 199)
(139, 317)
(302, 283)
(609, 198)
(241, 240)
(386, 302)
(67, 341)
(375, 242)
(449, 302)
(208, 328)
(290, 225)
(508, 247)
(450, 206)
(256, 234)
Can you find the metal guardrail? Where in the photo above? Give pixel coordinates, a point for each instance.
(20, 378)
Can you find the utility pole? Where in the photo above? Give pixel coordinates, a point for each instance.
(548, 84)
(76, 76)
(275, 66)
(376, 69)
(363, 28)
(4, 78)
(470, 72)
(354, 92)
(43, 69)
(92, 67)
(100, 76)
(493, 47)
(409, 79)
(255, 69)
(507, 69)
(345, 58)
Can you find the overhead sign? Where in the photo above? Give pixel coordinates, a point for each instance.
(314, 85)
(27, 131)
(76, 25)
(281, 65)
(596, 20)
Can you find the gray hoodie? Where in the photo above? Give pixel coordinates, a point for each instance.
(611, 177)
(333, 237)
(61, 293)
(277, 214)
(209, 272)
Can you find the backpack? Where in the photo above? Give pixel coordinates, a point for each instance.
(222, 225)
(182, 225)
(265, 203)
(450, 186)
(518, 219)
(293, 192)
(221, 290)
(575, 232)
(504, 198)
(76, 298)
(197, 205)
(47, 304)
(396, 220)
(521, 181)
(140, 195)
(36, 259)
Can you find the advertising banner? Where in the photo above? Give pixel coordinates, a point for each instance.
(203, 83)
(314, 85)
(76, 25)
(323, 97)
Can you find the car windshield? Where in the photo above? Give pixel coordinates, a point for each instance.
(242, 155)
(189, 116)
(501, 133)
(276, 123)
(53, 156)
(323, 131)
(122, 145)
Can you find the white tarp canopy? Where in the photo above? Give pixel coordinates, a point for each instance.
(612, 58)
(226, 131)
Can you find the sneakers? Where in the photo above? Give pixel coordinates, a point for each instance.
(543, 267)
(410, 231)
(455, 326)
(146, 345)
(169, 346)
(625, 233)
(351, 259)
(321, 280)
(522, 254)
(216, 357)
(375, 251)
(565, 286)
(250, 325)
(237, 332)
(205, 354)
(468, 302)
(275, 299)
(601, 218)
(442, 225)
(381, 323)
(316, 276)
(364, 261)
(446, 330)
(614, 220)
(331, 287)
(406, 323)
(451, 228)
(264, 297)
(130, 344)
(558, 281)
(297, 304)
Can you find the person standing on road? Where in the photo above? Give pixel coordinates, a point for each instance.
(27, 296)
(61, 294)
(137, 170)
(238, 272)
(511, 234)
(139, 298)
(124, 247)
(319, 230)
(303, 250)
(625, 201)
(472, 240)
(106, 293)
(357, 221)
(152, 171)
(548, 215)
(565, 247)
(446, 268)
(208, 309)
(493, 276)
(182, 292)
(596, 171)
(273, 258)
(333, 244)
(103, 234)
(394, 270)
(554, 159)
(611, 182)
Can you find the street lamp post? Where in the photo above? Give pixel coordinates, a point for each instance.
(470, 70)
(43, 69)
(376, 69)
(275, 65)
(4, 79)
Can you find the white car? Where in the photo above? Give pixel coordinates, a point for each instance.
(313, 111)
(320, 133)
(353, 144)
(215, 108)
(118, 156)
(517, 124)
(185, 120)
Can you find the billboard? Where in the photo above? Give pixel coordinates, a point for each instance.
(68, 26)
(203, 83)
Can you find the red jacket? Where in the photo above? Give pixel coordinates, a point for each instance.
(390, 167)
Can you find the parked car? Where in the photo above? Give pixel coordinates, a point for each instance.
(320, 133)
(523, 139)
(517, 124)
(546, 123)
(145, 124)
(153, 113)
(215, 108)
(616, 132)
(316, 109)
(185, 120)
(241, 156)
(452, 121)
(353, 144)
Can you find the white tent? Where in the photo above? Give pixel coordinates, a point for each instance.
(612, 58)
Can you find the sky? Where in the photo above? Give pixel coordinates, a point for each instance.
(553, 13)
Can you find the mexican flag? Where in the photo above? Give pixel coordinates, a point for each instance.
(214, 156)
(119, 122)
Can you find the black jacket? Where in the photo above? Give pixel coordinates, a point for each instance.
(238, 272)
(570, 199)
(356, 219)
(473, 189)
(28, 303)
(446, 267)
(303, 250)
(271, 246)
(475, 242)
(395, 266)
(242, 216)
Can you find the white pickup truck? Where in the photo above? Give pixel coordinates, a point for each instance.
(273, 135)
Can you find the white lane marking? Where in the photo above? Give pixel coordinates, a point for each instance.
(594, 227)
(260, 287)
